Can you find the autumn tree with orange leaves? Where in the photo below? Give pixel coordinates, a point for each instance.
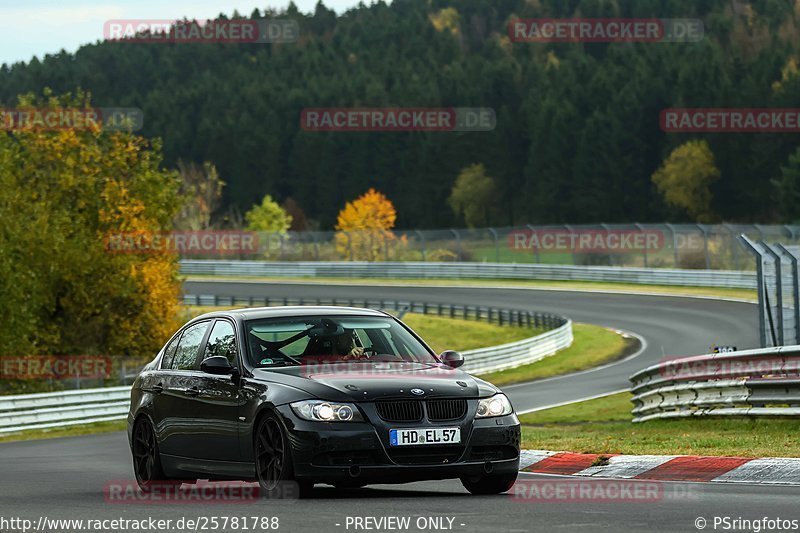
(364, 228)
(62, 193)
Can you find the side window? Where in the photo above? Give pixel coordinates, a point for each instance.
(169, 353)
(222, 341)
(186, 354)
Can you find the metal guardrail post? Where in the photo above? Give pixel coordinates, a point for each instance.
(734, 244)
(422, 243)
(316, 244)
(496, 244)
(644, 254)
(760, 231)
(752, 248)
(795, 290)
(571, 244)
(458, 243)
(671, 228)
(705, 245)
(536, 249)
(778, 289)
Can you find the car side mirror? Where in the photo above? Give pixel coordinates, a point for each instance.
(217, 364)
(452, 358)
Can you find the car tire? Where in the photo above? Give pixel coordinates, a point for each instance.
(146, 457)
(490, 483)
(273, 462)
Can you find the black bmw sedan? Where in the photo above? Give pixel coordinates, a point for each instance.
(304, 395)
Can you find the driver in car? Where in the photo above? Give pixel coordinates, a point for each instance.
(345, 345)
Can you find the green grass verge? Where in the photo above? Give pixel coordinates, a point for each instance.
(603, 426)
(70, 431)
(443, 333)
(592, 346)
(668, 290)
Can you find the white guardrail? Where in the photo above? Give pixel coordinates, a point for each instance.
(759, 382)
(416, 270)
(69, 408)
(514, 354)
(63, 408)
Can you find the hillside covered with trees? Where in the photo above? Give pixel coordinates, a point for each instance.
(577, 137)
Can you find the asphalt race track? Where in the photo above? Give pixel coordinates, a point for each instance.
(67, 478)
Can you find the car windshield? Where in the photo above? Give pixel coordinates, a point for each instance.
(314, 339)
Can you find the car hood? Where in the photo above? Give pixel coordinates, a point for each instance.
(370, 381)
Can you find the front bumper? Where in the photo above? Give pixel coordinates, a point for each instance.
(359, 452)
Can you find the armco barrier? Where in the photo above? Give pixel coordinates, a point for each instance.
(518, 353)
(418, 270)
(64, 408)
(67, 408)
(760, 382)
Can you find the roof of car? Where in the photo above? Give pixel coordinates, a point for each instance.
(254, 313)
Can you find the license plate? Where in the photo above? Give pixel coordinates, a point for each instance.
(424, 436)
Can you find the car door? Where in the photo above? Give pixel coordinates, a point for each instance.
(175, 407)
(216, 406)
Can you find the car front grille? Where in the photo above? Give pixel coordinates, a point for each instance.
(400, 411)
(411, 410)
(446, 409)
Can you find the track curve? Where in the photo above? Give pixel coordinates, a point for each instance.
(68, 478)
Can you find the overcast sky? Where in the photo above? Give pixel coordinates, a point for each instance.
(38, 27)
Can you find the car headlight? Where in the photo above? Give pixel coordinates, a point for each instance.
(322, 411)
(497, 405)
